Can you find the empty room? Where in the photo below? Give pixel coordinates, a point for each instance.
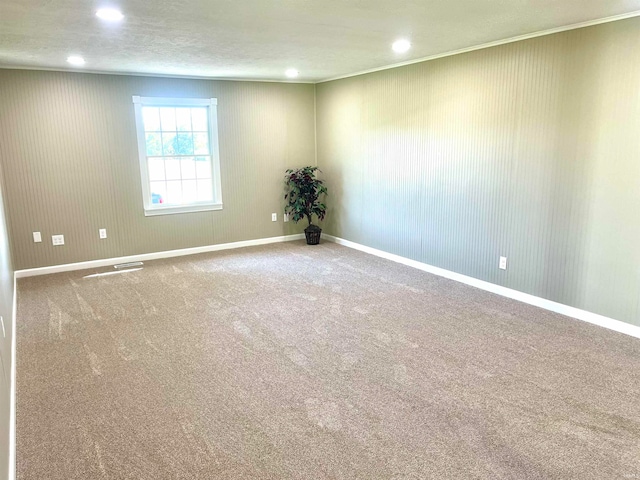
(319, 240)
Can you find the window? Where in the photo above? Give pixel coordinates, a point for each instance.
(178, 148)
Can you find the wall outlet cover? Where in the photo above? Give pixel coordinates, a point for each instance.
(103, 233)
(503, 263)
(37, 237)
(286, 217)
(57, 239)
(274, 217)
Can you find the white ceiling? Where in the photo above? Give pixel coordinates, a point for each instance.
(259, 39)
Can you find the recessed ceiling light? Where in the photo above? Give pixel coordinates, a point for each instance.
(291, 73)
(401, 46)
(110, 14)
(75, 60)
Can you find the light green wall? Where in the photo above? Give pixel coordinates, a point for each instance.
(68, 147)
(529, 150)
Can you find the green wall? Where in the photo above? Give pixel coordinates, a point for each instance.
(528, 150)
(69, 150)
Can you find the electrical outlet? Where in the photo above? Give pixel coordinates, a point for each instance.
(503, 263)
(274, 217)
(37, 237)
(103, 233)
(286, 217)
(57, 239)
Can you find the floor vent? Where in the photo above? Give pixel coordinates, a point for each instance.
(128, 265)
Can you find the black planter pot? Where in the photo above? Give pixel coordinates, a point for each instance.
(312, 232)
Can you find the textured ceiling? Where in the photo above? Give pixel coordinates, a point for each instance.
(259, 39)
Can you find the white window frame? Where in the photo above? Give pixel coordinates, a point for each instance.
(151, 209)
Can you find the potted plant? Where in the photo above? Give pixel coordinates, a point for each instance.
(304, 190)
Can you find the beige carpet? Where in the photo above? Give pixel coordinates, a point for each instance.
(288, 361)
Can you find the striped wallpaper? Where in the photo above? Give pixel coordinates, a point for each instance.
(68, 147)
(529, 150)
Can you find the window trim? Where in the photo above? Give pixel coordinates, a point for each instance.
(151, 209)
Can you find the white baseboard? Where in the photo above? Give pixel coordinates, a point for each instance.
(12, 393)
(594, 318)
(107, 262)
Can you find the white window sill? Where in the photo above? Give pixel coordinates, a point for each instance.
(152, 212)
